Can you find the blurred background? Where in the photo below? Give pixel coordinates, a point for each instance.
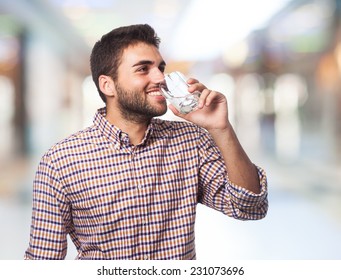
(278, 62)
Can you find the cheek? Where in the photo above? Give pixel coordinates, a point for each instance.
(138, 84)
(128, 78)
(133, 82)
(138, 81)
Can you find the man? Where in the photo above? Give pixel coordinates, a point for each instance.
(127, 187)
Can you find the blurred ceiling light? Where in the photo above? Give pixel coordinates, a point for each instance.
(223, 83)
(166, 8)
(290, 92)
(93, 4)
(209, 27)
(236, 55)
(193, 29)
(72, 9)
(90, 17)
(76, 13)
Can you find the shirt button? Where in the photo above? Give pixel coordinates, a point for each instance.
(139, 187)
(146, 257)
(117, 146)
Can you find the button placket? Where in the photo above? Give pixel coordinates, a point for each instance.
(142, 201)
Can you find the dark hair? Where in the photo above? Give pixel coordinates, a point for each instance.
(107, 52)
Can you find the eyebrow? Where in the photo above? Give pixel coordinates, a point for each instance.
(148, 62)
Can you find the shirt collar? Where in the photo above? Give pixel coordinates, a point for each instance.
(115, 134)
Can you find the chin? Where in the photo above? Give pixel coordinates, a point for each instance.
(161, 111)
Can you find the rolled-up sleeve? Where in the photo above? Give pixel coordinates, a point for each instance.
(217, 192)
(246, 205)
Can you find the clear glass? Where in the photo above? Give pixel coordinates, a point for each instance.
(176, 92)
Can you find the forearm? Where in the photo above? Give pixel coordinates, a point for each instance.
(241, 171)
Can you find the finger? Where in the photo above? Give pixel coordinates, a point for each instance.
(210, 97)
(196, 87)
(203, 97)
(191, 81)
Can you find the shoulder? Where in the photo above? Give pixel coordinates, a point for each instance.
(76, 142)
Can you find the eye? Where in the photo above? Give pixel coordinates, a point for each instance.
(162, 67)
(142, 69)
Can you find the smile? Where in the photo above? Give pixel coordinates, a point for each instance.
(154, 93)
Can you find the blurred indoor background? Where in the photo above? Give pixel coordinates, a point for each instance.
(278, 62)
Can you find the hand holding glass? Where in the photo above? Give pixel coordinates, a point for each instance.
(176, 92)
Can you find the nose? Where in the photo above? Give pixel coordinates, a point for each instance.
(157, 76)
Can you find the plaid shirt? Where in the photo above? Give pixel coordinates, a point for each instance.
(119, 201)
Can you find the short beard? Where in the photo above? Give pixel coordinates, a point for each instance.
(134, 106)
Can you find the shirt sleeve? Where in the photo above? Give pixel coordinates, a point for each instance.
(50, 215)
(217, 192)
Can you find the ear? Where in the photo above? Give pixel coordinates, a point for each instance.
(107, 85)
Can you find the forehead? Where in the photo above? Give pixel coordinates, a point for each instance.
(139, 52)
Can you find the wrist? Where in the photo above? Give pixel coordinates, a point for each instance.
(225, 129)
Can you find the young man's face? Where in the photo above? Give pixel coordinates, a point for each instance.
(137, 86)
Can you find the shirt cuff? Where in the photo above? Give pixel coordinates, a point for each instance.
(246, 198)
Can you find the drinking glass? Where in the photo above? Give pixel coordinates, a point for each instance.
(175, 90)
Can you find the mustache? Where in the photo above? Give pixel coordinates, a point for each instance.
(157, 86)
